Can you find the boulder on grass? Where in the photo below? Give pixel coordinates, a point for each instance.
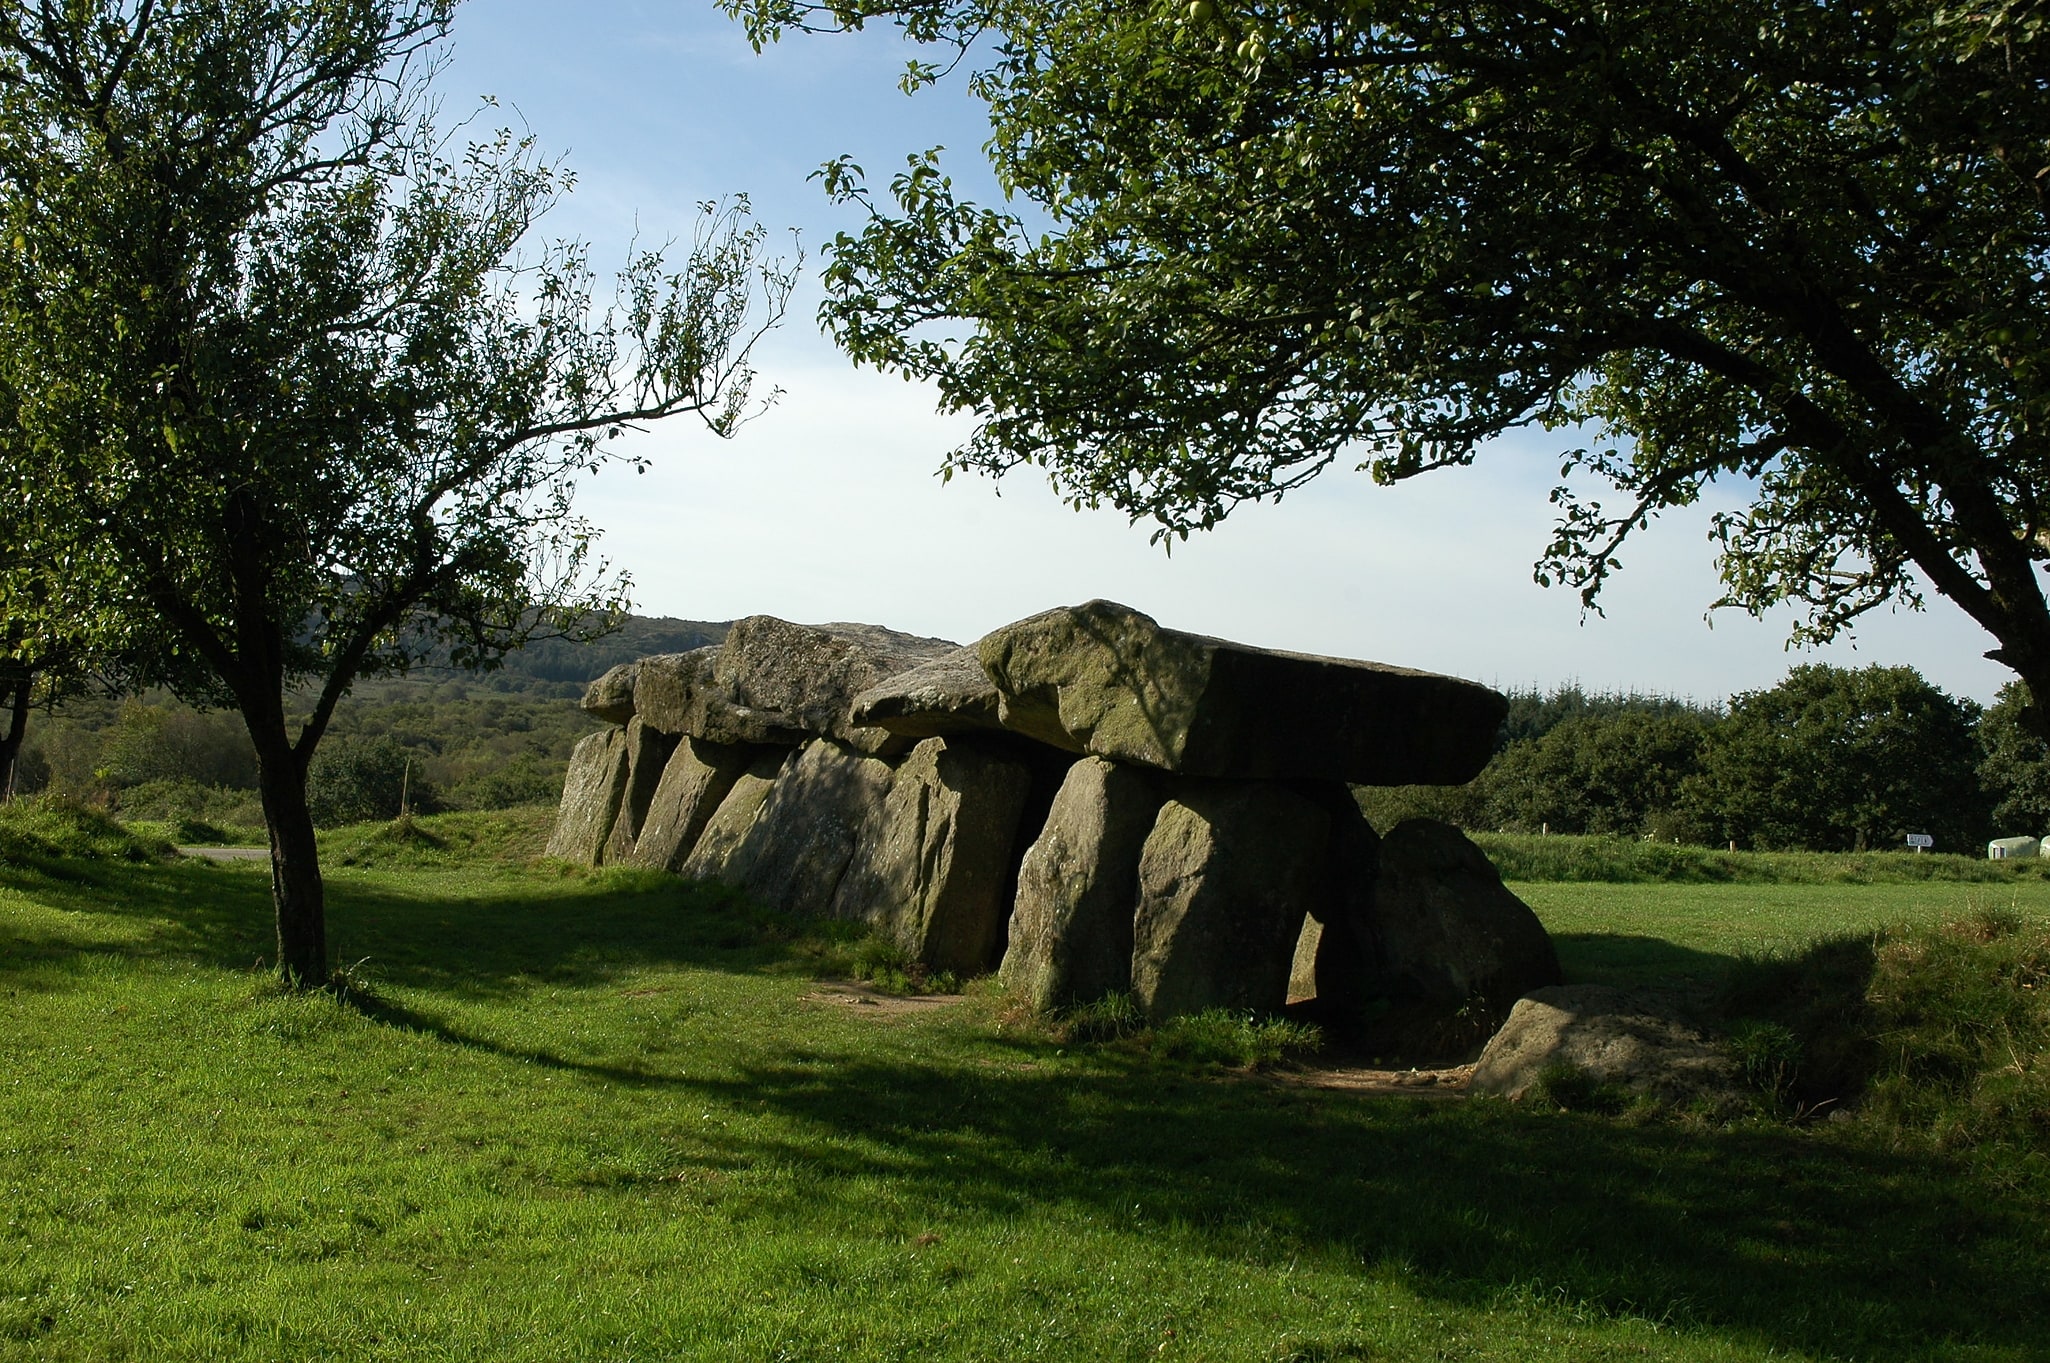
(1639, 1041)
(591, 792)
(794, 852)
(1447, 929)
(1071, 921)
(1225, 879)
(1104, 679)
(713, 850)
(697, 777)
(931, 867)
(775, 682)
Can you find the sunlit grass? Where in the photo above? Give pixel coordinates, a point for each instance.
(606, 1116)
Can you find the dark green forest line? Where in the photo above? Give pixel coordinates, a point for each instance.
(1831, 759)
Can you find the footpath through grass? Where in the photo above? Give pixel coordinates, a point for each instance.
(605, 1116)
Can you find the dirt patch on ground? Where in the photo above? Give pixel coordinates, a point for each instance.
(1447, 1082)
(873, 1002)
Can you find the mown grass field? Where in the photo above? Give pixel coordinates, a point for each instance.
(600, 1116)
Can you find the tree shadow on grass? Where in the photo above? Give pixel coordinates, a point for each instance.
(1772, 1237)
(470, 937)
(1623, 958)
(1779, 1239)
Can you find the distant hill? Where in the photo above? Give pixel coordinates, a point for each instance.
(473, 739)
(559, 660)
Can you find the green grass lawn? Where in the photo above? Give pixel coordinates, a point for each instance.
(1614, 934)
(603, 1117)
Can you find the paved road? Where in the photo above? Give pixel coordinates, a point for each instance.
(227, 853)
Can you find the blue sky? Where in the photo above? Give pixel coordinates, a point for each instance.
(828, 508)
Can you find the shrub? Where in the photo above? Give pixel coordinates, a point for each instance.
(236, 814)
(153, 743)
(524, 780)
(361, 780)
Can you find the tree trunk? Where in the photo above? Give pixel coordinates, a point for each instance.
(296, 888)
(17, 727)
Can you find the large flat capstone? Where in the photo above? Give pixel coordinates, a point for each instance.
(949, 694)
(1104, 679)
(775, 682)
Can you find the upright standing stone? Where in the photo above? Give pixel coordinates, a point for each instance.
(647, 753)
(711, 854)
(591, 793)
(794, 853)
(1071, 923)
(932, 869)
(1302, 967)
(1225, 879)
(1104, 679)
(1449, 931)
(696, 778)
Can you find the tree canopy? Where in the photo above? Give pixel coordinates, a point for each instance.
(291, 372)
(1798, 248)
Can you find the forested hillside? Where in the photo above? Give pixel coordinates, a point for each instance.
(439, 738)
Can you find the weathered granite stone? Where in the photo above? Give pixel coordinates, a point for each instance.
(1639, 1040)
(933, 866)
(647, 753)
(712, 852)
(950, 694)
(590, 797)
(775, 682)
(793, 855)
(695, 780)
(1104, 679)
(1447, 928)
(671, 691)
(611, 697)
(1302, 967)
(1071, 922)
(1225, 879)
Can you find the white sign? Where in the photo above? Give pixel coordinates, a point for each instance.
(1921, 841)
